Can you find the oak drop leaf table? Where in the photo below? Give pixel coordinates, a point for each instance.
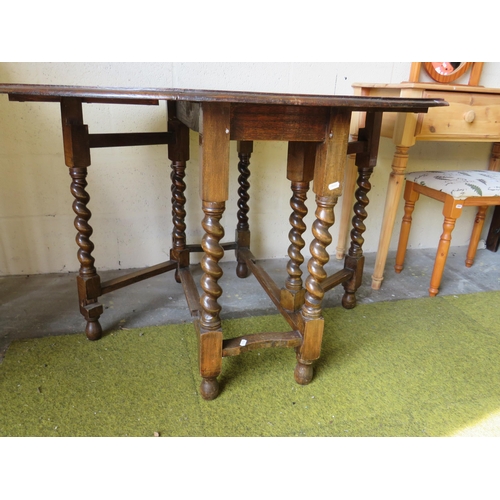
(317, 131)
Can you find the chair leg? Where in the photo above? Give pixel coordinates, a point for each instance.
(410, 197)
(441, 255)
(476, 234)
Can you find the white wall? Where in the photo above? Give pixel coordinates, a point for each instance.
(130, 187)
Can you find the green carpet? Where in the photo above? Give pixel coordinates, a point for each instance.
(423, 367)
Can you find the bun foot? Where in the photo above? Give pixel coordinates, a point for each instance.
(93, 330)
(303, 373)
(209, 388)
(242, 270)
(177, 277)
(349, 301)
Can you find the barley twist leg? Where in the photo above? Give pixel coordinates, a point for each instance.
(311, 310)
(88, 279)
(243, 227)
(292, 297)
(178, 186)
(355, 259)
(210, 322)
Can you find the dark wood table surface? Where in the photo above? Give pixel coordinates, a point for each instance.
(316, 128)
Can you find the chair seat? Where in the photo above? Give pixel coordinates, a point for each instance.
(460, 184)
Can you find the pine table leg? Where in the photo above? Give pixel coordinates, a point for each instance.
(394, 191)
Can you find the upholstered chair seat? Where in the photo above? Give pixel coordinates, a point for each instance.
(456, 189)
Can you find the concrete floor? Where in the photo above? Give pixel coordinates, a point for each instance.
(42, 305)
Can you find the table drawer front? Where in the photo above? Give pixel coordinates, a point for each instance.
(470, 116)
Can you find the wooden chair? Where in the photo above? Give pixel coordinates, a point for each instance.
(456, 189)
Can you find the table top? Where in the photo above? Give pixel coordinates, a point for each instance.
(48, 93)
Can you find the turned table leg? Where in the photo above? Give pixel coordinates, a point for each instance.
(245, 149)
(355, 259)
(311, 310)
(292, 295)
(347, 203)
(394, 190)
(77, 158)
(178, 154)
(210, 323)
(88, 280)
(178, 186)
(300, 171)
(365, 162)
(328, 174)
(214, 185)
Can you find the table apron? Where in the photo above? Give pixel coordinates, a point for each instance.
(256, 122)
